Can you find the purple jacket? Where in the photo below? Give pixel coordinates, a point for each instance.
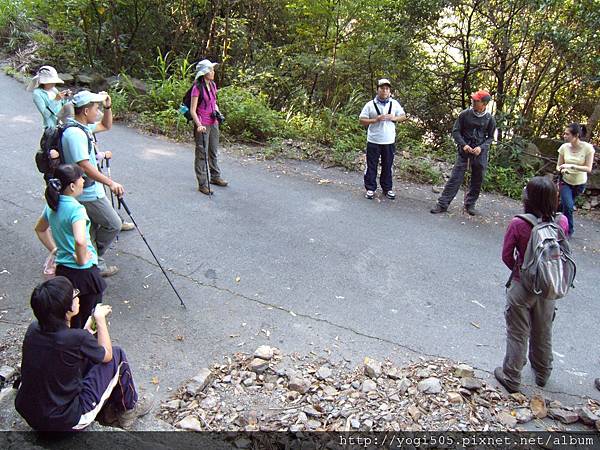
(517, 237)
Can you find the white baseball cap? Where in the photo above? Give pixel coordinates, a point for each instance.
(384, 81)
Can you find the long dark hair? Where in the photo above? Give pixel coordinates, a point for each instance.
(64, 175)
(577, 130)
(203, 88)
(540, 198)
(50, 301)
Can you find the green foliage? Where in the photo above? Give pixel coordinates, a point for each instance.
(249, 116)
(302, 69)
(420, 171)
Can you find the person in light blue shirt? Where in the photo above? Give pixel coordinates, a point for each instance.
(47, 98)
(64, 229)
(78, 145)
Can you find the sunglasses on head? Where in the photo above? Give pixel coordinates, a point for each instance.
(75, 293)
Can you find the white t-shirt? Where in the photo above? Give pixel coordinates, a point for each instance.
(381, 132)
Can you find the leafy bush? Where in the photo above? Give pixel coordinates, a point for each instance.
(249, 116)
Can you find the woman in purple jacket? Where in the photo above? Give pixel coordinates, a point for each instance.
(528, 316)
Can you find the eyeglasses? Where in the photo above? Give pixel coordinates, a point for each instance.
(75, 293)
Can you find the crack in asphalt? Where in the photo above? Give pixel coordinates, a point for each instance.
(322, 320)
(10, 202)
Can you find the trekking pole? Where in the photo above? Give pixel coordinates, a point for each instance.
(112, 197)
(205, 141)
(122, 202)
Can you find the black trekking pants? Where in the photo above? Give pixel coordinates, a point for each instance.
(478, 165)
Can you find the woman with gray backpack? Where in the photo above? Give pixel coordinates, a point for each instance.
(537, 252)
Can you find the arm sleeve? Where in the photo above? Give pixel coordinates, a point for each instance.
(77, 148)
(364, 114)
(79, 214)
(195, 91)
(457, 131)
(491, 128)
(509, 245)
(40, 104)
(90, 347)
(45, 213)
(399, 110)
(561, 149)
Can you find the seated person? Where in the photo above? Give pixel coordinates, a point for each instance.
(67, 375)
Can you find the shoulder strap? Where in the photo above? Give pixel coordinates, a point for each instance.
(529, 218)
(51, 112)
(390, 108)
(82, 128)
(376, 108)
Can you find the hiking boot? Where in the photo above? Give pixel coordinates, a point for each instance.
(499, 374)
(109, 271)
(142, 407)
(127, 226)
(369, 195)
(597, 383)
(438, 209)
(219, 182)
(470, 210)
(205, 190)
(391, 195)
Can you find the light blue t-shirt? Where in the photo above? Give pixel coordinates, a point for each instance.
(61, 222)
(49, 109)
(75, 145)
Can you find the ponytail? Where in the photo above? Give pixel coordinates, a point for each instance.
(65, 174)
(53, 191)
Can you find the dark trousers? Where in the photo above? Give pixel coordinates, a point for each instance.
(568, 194)
(374, 153)
(478, 166)
(96, 383)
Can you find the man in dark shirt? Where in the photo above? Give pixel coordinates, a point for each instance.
(67, 376)
(473, 133)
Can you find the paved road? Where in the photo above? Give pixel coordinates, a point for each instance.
(316, 267)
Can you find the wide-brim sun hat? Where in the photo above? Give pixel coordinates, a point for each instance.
(203, 67)
(85, 97)
(45, 75)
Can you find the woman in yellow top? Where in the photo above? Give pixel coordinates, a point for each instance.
(575, 159)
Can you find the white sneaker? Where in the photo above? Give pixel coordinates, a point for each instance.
(369, 195)
(391, 195)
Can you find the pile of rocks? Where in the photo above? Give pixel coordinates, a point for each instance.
(269, 391)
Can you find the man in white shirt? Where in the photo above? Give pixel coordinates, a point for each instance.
(381, 115)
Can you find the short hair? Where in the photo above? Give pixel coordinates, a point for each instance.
(50, 301)
(79, 109)
(540, 198)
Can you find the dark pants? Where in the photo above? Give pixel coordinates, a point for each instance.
(386, 153)
(206, 144)
(96, 383)
(568, 194)
(529, 319)
(478, 166)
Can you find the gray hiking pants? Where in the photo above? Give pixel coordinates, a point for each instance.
(206, 142)
(528, 317)
(478, 165)
(105, 226)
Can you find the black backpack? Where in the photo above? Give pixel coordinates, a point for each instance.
(52, 140)
(186, 102)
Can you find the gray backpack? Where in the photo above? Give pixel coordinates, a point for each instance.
(548, 268)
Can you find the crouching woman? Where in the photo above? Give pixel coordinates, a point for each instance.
(67, 375)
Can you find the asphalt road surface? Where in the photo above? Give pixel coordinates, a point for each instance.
(277, 258)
